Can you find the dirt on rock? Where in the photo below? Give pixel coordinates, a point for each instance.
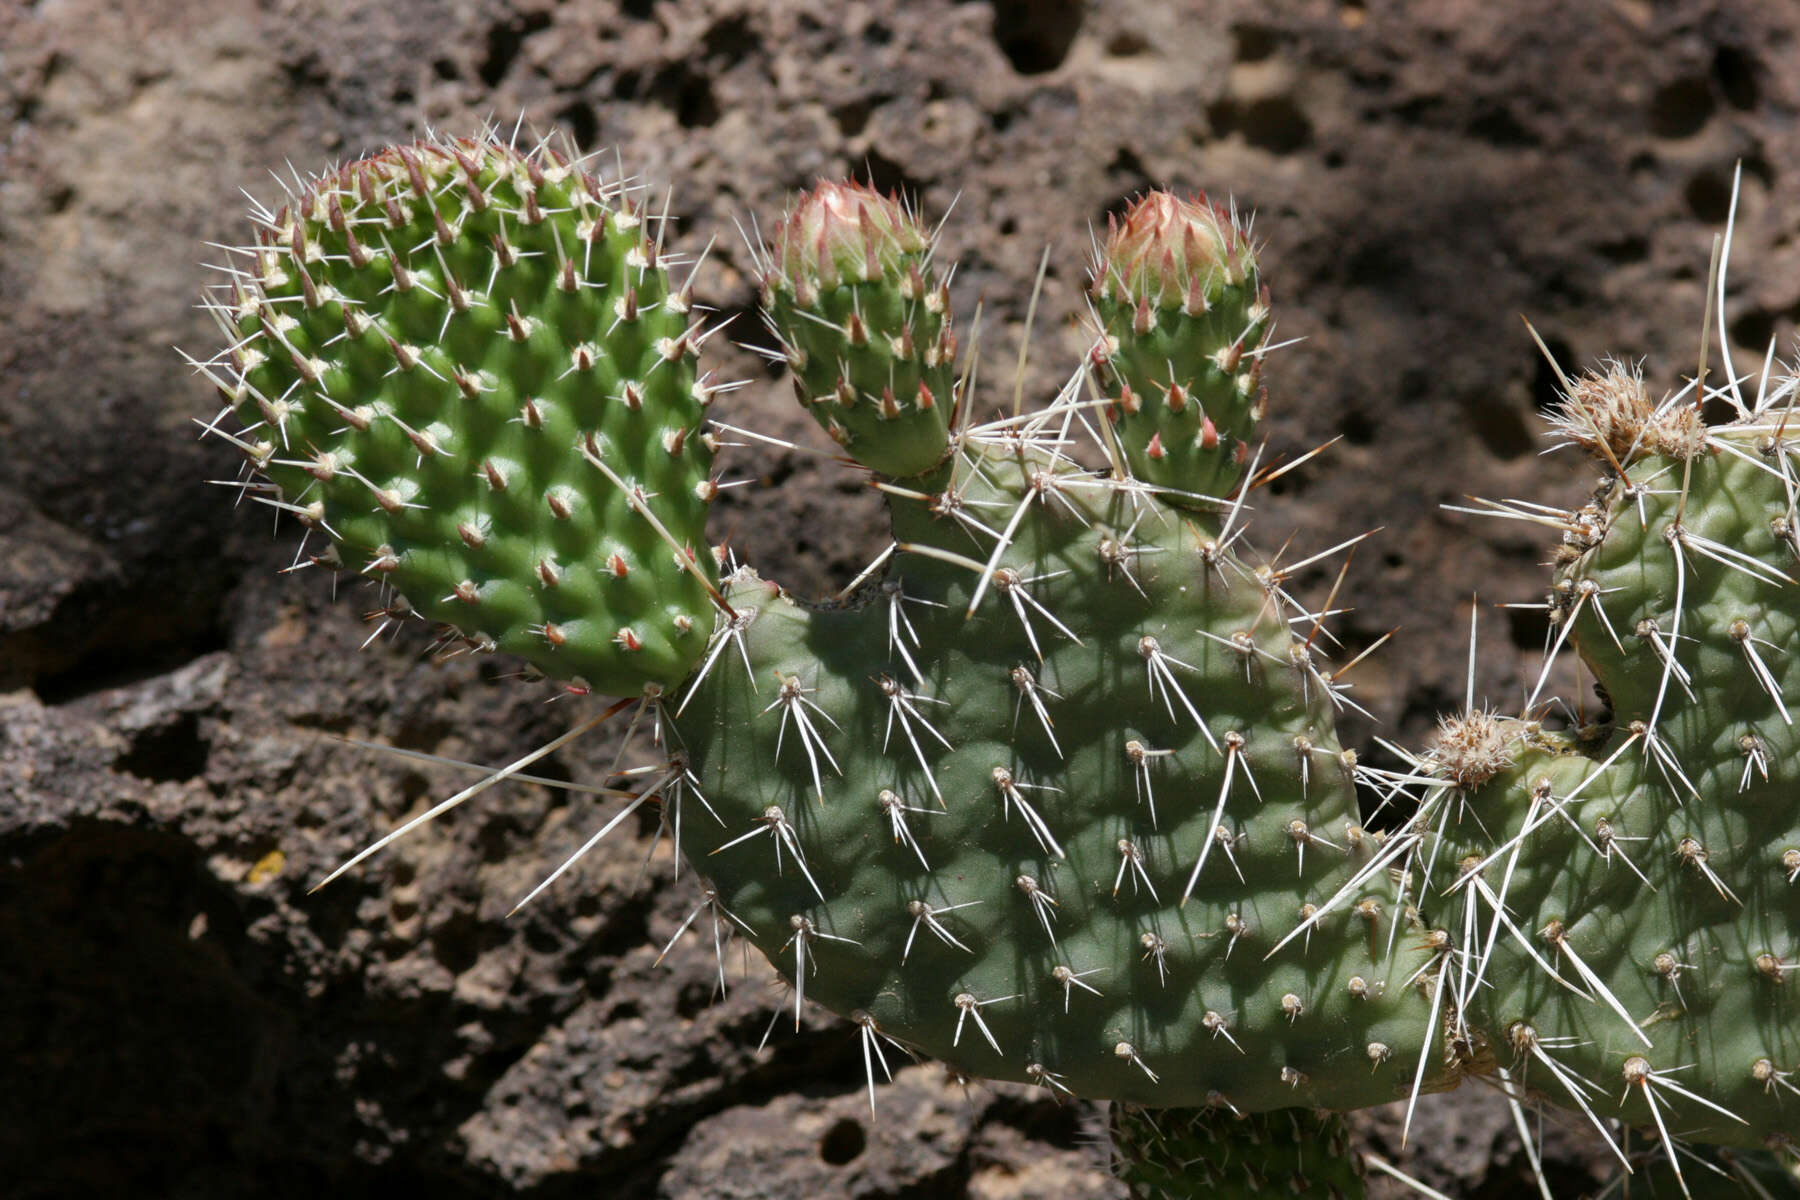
(179, 1016)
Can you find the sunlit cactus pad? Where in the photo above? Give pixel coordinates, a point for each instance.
(466, 363)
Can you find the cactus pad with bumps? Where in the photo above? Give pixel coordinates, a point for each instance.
(1184, 317)
(1649, 863)
(849, 290)
(468, 366)
(1026, 849)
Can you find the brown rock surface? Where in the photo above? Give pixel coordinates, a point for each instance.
(179, 1017)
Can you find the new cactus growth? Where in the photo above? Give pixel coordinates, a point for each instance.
(1183, 317)
(1053, 791)
(850, 291)
(466, 365)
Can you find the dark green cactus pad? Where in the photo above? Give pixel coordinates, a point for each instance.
(849, 289)
(1051, 797)
(1650, 864)
(1068, 736)
(467, 365)
(1210, 1154)
(1183, 318)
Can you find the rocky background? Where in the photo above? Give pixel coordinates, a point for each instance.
(178, 1017)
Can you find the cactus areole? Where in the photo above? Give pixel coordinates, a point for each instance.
(1054, 794)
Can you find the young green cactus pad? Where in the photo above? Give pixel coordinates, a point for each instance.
(849, 290)
(1184, 316)
(1053, 791)
(467, 364)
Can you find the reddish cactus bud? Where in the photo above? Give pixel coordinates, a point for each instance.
(417, 177)
(842, 232)
(1167, 250)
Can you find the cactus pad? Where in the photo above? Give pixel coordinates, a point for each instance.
(1649, 861)
(849, 290)
(468, 366)
(1024, 847)
(1183, 316)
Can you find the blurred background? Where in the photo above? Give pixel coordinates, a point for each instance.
(179, 1018)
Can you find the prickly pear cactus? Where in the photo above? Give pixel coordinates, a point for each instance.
(1045, 798)
(1052, 792)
